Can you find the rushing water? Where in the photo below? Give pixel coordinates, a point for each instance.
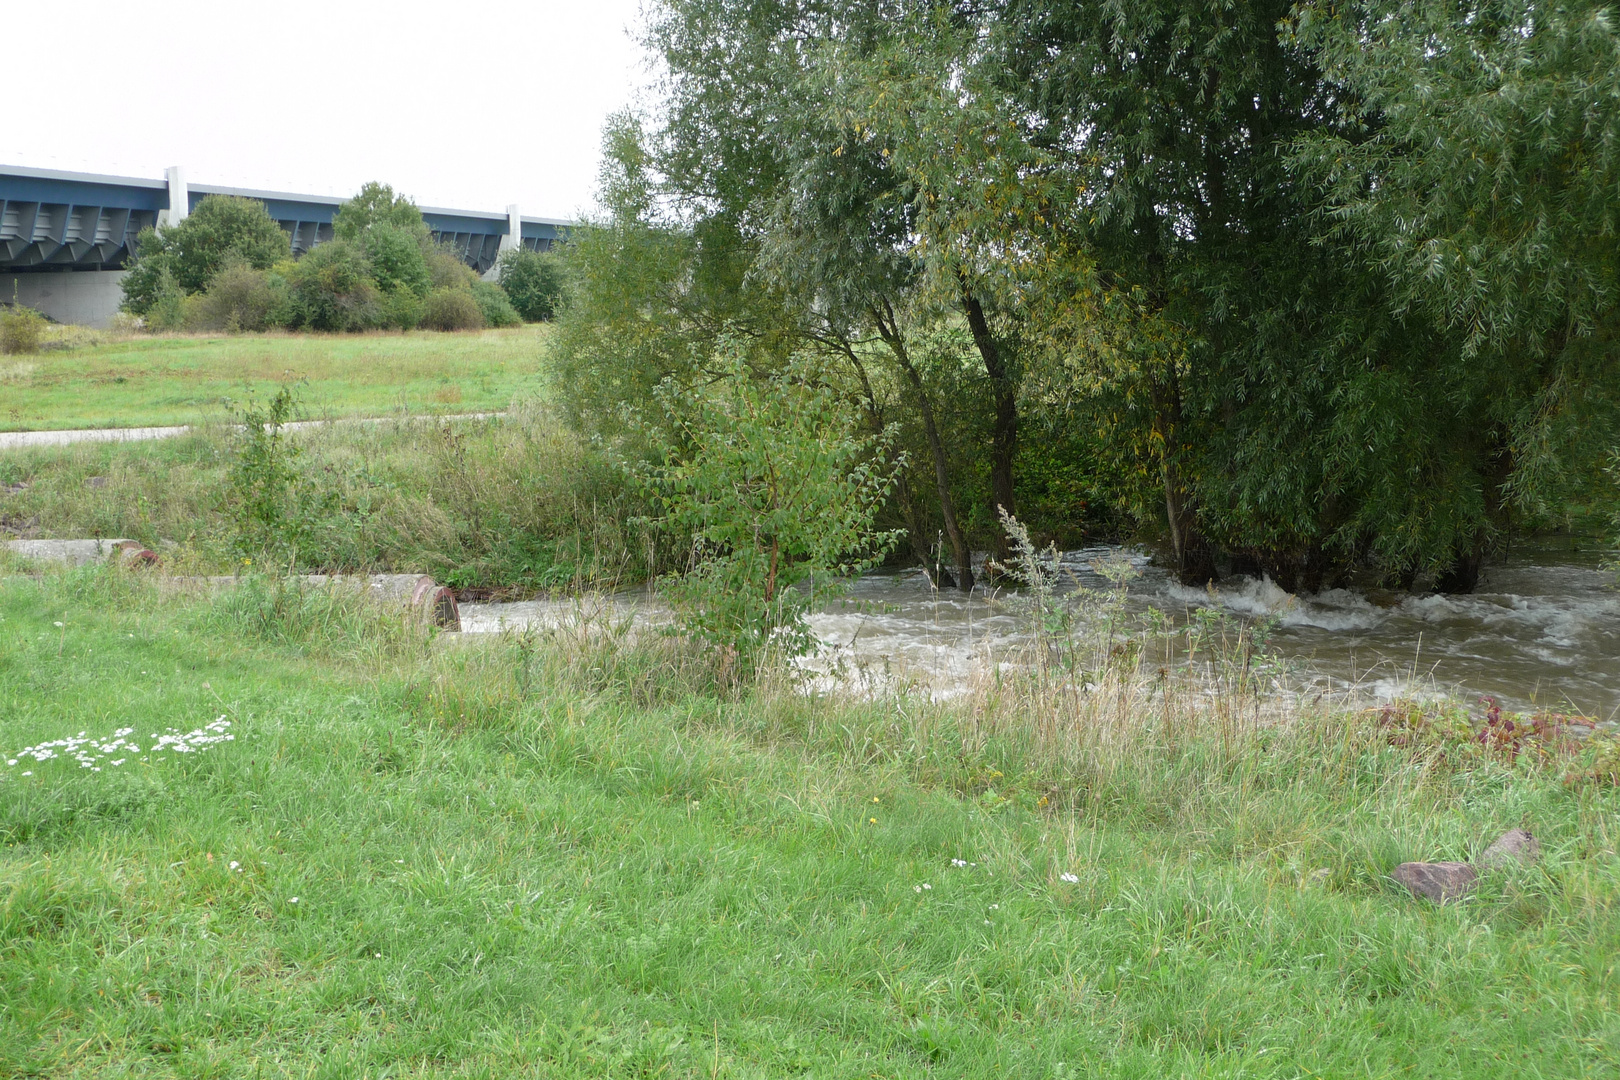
(1543, 629)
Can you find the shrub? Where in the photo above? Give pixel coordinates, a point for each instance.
(20, 330)
(452, 309)
(495, 307)
(532, 281)
(447, 271)
(332, 289)
(223, 228)
(396, 259)
(774, 490)
(165, 306)
(242, 299)
(402, 309)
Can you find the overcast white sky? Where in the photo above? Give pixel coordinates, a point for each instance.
(470, 104)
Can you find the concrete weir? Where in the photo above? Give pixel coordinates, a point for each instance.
(80, 552)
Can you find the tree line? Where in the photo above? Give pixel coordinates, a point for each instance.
(228, 266)
(1300, 288)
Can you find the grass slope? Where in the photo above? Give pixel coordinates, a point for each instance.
(152, 381)
(505, 870)
(514, 502)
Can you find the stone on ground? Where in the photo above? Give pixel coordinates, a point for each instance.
(1438, 881)
(1514, 846)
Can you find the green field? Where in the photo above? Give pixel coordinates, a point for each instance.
(566, 857)
(101, 380)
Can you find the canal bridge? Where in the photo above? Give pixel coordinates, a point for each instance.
(66, 237)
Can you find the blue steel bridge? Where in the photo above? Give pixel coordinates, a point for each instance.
(66, 237)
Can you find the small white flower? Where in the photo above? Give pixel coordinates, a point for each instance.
(916, 888)
(958, 862)
(927, 886)
(58, 623)
(13, 761)
(235, 864)
(1072, 879)
(294, 900)
(29, 773)
(995, 907)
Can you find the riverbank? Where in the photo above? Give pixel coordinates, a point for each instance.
(94, 379)
(500, 505)
(546, 855)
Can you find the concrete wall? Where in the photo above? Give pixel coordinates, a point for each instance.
(84, 297)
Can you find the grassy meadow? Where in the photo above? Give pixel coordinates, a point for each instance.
(86, 379)
(570, 855)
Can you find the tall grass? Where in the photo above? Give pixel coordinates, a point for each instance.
(512, 503)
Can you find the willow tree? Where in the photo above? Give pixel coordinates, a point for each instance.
(1479, 168)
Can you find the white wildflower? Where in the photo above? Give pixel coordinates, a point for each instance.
(1072, 879)
(88, 751)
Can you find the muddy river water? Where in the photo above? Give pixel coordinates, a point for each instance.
(1542, 630)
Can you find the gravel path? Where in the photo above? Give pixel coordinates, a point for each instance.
(22, 440)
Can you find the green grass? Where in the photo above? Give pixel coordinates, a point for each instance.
(513, 503)
(532, 857)
(100, 380)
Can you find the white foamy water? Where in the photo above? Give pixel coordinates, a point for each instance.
(1542, 630)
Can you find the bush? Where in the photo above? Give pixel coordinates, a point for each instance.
(773, 488)
(495, 307)
(452, 309)
(402, 309)
(447, 271)
(397, 259)
(165, 303)
(532, 281)
(223, 228)
(242, 299)
(332, 289)
(20, 330)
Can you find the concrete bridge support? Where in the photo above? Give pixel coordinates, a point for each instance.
(84, 297)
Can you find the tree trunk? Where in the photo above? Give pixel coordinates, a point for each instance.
(1195, 560)
(1462, 576)
(915, 536)
(936, 447)
(1004, 432)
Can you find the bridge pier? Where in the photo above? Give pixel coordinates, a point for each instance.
(83, 297)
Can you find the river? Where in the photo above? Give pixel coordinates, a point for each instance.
(1541, 631)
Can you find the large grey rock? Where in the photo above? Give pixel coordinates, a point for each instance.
(1438, 881)
(1514, 847)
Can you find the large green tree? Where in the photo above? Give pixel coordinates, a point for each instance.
(187, 255)
(1479, 169)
